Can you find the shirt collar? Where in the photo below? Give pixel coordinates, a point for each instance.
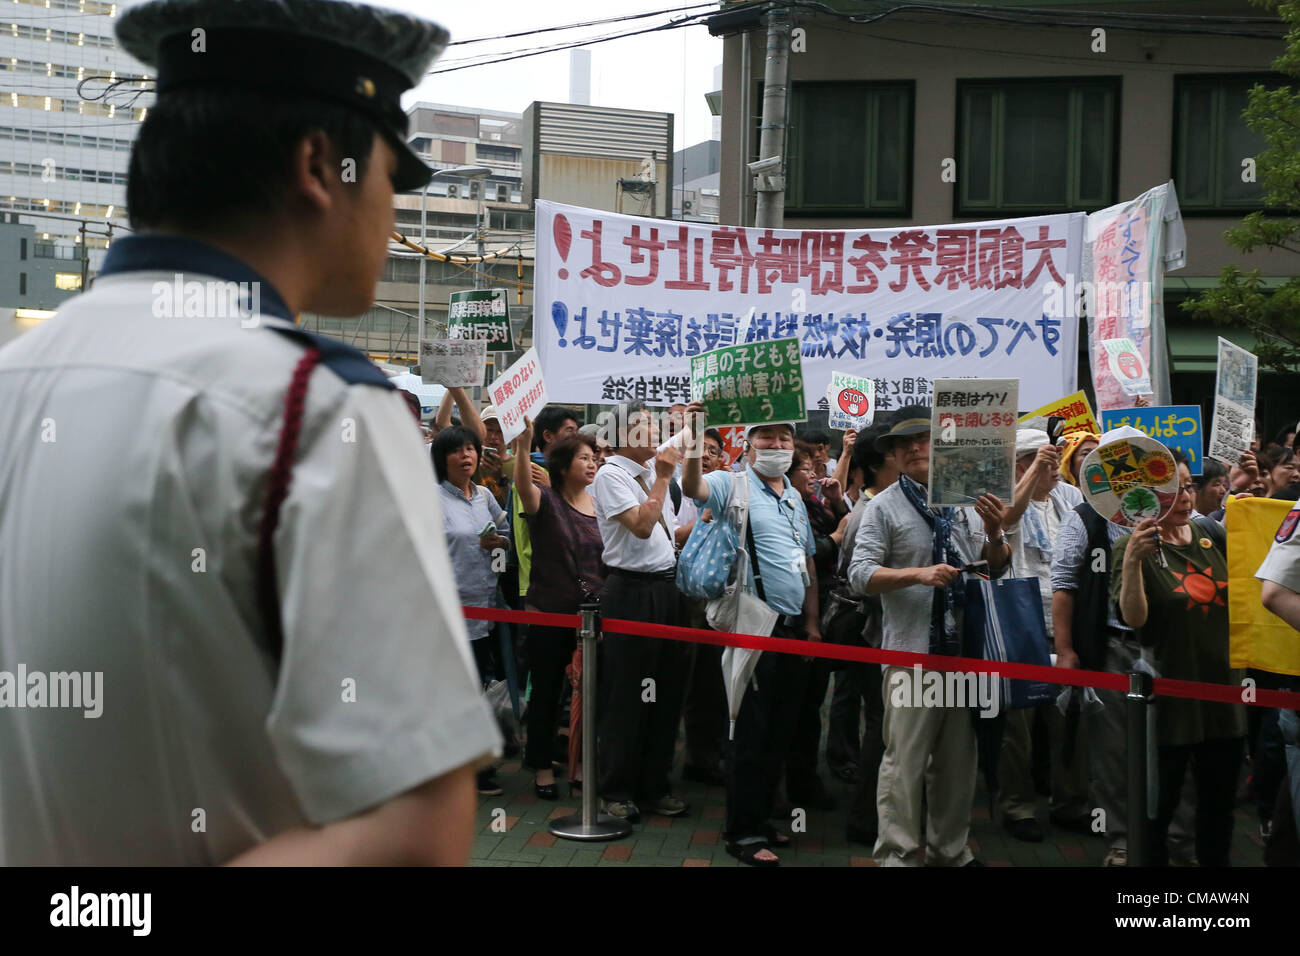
(152, 252)
(451, 489)
(631, 467)
(786, 492)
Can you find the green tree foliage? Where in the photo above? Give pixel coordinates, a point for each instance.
(1240, 298)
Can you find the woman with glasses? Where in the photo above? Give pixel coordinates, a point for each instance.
(1181, 611)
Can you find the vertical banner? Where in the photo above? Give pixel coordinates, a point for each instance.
(1233, 427)
(624, 303)
(1126, 251)
(973, 440)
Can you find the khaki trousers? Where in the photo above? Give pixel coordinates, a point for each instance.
(930, 751)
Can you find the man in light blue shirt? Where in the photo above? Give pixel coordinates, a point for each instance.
(781, 548)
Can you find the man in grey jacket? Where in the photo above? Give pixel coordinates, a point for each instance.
(912, 556)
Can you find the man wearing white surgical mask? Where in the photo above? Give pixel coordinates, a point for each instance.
(781, 548)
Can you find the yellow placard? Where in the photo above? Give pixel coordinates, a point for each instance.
(1076, 411)
(1256, 636)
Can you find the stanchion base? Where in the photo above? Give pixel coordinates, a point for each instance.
(606, 827)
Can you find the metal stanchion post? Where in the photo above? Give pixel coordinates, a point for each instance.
(589, 825)
(1142, 790)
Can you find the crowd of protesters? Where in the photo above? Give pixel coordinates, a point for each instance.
(848, 550)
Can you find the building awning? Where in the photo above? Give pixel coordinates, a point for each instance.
(1195, 347)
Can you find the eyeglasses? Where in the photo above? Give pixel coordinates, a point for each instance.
(710, 452)
(1188, 489)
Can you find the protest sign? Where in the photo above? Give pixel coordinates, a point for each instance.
(733, 442)
(1127, 367)
(1075, 409)
(455, 364)
(1127, 249)
(746, 384)
(1174, 426)
(1129, 480)
(972, 440)
(1233, 427)
(852, 401)
(625, 303)
(481, 314)
(519, 391)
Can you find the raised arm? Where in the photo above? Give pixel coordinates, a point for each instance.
(846, 458)
(642, 519)
(529, 497)
(468, 413)
(693, 483)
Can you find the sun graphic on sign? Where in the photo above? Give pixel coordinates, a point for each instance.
(1200, 587)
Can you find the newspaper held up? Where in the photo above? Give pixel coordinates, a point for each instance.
(972, 440)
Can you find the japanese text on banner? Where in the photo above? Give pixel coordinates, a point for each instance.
(643, 297)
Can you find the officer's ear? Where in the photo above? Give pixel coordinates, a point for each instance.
(314, 170)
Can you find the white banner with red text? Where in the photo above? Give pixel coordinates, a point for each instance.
(623, 302)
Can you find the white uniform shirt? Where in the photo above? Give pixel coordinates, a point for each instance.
(616, 491)
(1282, 566)
(134, 453)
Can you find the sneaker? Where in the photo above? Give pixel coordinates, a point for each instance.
(487, 787)
(624, 810)
(1116, 857)
(670, 806)
(1028, 829)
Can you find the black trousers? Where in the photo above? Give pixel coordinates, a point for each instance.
(637, 722)
(764, 728)
(705, 709)
(801, 759)
(863, 811)
(550, 649)
(1215, 765)
(847, 700)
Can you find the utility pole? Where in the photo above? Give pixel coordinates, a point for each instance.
(85, 259)
(769, 176)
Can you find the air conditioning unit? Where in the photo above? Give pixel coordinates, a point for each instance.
(453, 190)
(475, 187)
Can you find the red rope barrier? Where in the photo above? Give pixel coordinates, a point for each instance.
(1102, 680)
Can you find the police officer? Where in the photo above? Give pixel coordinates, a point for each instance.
(222, 528)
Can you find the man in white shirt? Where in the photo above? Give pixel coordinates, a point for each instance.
(243, 550)
(637, 722)
(1032, 525)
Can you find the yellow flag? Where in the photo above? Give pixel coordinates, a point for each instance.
(1257, 637)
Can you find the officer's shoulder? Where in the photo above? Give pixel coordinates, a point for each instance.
(349, 364)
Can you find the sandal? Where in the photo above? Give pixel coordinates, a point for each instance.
(775, 838)
(745, 853)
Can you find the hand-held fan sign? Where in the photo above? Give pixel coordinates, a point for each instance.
(1130, 480)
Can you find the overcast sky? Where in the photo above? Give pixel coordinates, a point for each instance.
(668, 71)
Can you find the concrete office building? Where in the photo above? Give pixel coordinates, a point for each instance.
(62, 152)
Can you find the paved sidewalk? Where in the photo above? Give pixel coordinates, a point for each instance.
(695, 838)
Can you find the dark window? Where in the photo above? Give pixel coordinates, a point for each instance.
(1212, 141)
(1036, 145)
(850, 149)
(22, 283)
(22, 248)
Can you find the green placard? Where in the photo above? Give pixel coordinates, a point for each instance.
(481, 314)
(749, 384)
